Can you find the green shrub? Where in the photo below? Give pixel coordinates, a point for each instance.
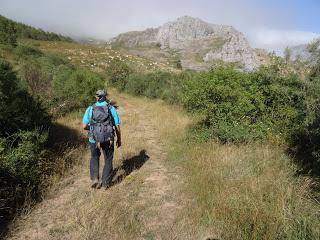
(75, 87)
(246, 106)
(8, 32)
(23, 160)
(306, 144)
(160, 84)
(24, 51)
(35, 78)
(284, 100)
(117, 72)
(19, 111)
(22, 166)
(23, 137)
(150, 85)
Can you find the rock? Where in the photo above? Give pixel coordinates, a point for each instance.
(197, 43)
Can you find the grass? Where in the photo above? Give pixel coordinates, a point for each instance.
(199, 191)
(94, 57)
(68, 146)
(248, 192)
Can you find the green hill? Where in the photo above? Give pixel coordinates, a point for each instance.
(11, 30)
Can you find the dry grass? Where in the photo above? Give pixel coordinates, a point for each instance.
(249, 192)
(69, 145)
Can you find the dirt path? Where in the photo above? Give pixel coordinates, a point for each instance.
(145, 202)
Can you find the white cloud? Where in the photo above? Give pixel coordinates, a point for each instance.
(277, 40)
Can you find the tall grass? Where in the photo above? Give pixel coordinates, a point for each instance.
(248, 191)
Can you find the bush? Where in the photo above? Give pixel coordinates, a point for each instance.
(229, 102)
(160, 84)
(19, 111)
(23, 160)
(23, 137)
(150, 85)
(117, 72)
(75, 88)
(245, 106)
(36, 79)
(8, 32)
(60, 86)
(234, 106)
(24, 51)
(306, 144)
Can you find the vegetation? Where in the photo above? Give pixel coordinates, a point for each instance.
(306, 140)
(244, 191)
(7, 32)
(23, 135)
(43, 87)
(247, 191)
(234, 106)
(10, 31)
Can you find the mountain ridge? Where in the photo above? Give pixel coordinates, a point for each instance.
(199, 44)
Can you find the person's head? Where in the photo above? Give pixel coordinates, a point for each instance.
(101, 95)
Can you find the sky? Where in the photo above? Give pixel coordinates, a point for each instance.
(271, 24)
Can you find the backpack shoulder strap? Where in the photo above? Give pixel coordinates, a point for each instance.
(93, 106)
(111, 116)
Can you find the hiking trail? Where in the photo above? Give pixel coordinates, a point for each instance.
(146, 201)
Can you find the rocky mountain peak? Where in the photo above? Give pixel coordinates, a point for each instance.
(198, 43)
(186, 28)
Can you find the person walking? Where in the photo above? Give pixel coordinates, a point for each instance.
(102, 122)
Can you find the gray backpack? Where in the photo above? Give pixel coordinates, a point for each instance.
(102, 124)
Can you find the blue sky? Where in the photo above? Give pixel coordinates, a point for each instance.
(270, 24)
(305, 12)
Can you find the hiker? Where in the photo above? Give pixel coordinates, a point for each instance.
(102, 121)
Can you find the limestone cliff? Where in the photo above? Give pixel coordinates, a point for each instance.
(197, 43)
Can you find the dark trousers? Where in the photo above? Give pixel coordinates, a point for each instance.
(107, 149)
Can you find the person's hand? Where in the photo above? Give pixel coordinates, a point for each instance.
(84, 135)
(118, 143)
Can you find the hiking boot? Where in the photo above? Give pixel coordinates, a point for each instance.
(94, 183)
(99, 185)
(106, 186)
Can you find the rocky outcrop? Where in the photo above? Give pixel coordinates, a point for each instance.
(137, 38)
(198, 43)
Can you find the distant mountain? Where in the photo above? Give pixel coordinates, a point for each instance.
(301, 51)
(196, 43)
(24, 31)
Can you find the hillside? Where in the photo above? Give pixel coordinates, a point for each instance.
(197, 44)
(20, 30)
(99, 58)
